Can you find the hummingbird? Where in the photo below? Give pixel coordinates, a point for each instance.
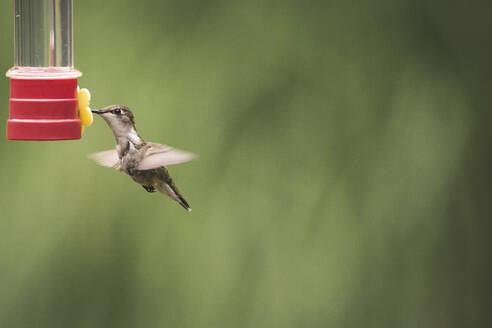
(144, 162)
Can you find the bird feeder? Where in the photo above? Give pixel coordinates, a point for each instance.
(43, 81)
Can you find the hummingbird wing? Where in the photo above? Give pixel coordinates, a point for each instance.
(107, 158)
(157, 155)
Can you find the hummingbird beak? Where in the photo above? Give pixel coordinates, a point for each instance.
(97, 111)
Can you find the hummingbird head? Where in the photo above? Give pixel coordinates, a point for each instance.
(119, 118)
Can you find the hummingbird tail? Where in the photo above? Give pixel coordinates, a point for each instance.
(172, 192)
(183, 203)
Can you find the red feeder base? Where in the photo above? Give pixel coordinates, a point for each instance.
(43, 109)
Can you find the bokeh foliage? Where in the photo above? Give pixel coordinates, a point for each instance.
(343, 181)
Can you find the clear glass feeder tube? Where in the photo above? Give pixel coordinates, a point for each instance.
(43, 82)
(43, 35)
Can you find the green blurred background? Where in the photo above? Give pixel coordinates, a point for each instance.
(344, 177)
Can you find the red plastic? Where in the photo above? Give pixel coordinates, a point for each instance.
(43, 109)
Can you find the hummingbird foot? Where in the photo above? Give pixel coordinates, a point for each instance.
(149, 188)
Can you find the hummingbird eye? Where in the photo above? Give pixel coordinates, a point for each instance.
(117, 111)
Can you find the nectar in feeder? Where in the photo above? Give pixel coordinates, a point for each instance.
(43, 81)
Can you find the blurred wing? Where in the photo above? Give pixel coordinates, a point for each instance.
(160, 155)
(107, 158)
